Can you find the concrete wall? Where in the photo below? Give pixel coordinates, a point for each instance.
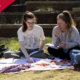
(76, 13)
(10, 30)
(33, 5)
(56, 5)
(42, 17)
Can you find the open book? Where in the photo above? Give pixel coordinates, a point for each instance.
(52, 46)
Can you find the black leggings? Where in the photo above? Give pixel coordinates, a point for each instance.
(59, 53)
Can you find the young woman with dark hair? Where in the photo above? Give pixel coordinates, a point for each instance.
(29, 35)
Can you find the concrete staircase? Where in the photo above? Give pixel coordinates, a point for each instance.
(34, 5)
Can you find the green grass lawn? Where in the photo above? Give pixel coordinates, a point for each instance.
(38, 75)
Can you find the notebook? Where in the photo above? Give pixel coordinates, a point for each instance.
(52, 46)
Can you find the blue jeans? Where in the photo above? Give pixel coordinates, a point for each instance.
(75, 56)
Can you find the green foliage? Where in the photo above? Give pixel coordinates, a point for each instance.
(14, 44)
(44, 8)
(38, 75)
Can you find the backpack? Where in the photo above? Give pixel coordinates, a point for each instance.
(2, 49)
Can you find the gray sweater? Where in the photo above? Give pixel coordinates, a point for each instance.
(63, 37)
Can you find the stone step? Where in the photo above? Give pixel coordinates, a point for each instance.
(76, 9)
(48, 2)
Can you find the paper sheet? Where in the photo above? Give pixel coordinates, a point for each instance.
(52, 46)
(6, 61)
(37, 60)
(33, 53)
(10, 62)
(57, 59)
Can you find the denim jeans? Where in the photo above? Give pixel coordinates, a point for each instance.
(75, 56)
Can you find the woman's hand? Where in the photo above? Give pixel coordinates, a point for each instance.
(57, 31)
(30, 60)
(62, 44)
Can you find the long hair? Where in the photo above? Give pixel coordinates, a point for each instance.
(67, 18)
(27, 15)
